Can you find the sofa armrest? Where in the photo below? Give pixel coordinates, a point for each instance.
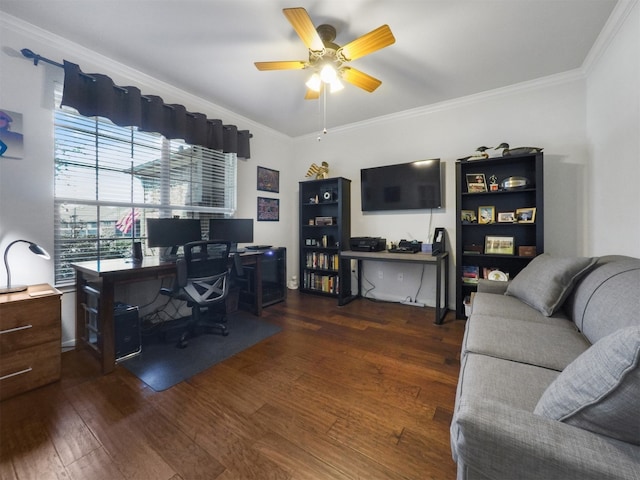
(492, 286)
(504, 443)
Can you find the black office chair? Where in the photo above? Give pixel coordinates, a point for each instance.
(202, 280)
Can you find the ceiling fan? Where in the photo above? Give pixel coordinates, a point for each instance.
(328, 60)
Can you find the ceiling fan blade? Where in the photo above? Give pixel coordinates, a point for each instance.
(375, 40)
(360, 79)
(286, 65)
(302, 24)
(312, 94)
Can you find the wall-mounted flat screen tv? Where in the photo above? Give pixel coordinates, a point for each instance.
(404, 186)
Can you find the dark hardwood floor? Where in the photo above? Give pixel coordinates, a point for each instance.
(363, 391)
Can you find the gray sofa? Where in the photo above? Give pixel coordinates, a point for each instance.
(549, 384)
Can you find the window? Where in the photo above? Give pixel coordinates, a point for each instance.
(108, 180)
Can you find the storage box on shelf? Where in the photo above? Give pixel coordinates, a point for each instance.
(492, 240)
(325, 229)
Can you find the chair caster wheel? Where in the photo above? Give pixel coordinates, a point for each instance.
(184, 341)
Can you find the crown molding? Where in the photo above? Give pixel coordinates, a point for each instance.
(614, 23)
(528, 86)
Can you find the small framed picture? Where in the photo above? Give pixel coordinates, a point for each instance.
(497, 245)
(526, 215)
(486, 215)
(268, 209)
(268, 180)
(468, 216)
(506, 217)
(476, 183)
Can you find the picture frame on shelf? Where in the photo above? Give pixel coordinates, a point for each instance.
(506, 217)
(499, 245)
(268, 180)
(468, 216)
(476, 183)
(268, 209)
(486, 214)
(526, 215)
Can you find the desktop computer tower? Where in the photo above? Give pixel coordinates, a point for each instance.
(126, 331)
(274, 275)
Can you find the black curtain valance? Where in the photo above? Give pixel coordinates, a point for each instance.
(96, 95)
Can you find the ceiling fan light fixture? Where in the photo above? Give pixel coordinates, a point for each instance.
(328, 74)
(314, 83)
(336, 85)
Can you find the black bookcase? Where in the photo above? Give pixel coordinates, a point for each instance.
(325, 230)
(505, 238)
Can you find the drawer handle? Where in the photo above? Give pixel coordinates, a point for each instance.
(26, 370)
(17, 329)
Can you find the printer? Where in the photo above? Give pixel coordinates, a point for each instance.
(368, 244)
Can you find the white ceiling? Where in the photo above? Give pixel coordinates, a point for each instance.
(444, 49)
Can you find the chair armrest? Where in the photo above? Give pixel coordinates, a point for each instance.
(504, 443)
(492, 286)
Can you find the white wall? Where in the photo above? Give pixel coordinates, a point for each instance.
(26, 185)
(549, 114)
(589, 127)
(613, 127)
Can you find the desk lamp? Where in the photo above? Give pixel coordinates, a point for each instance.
(35, 248)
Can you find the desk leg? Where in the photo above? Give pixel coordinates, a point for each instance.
(81, 298)
(107, 348)
(258, 286)
(441, 310)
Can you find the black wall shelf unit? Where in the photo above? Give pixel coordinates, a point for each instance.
(325, 230)
(471, 236)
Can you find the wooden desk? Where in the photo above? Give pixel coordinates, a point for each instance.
(104, 275)
(440, 261)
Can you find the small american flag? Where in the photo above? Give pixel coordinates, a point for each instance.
(126, 222)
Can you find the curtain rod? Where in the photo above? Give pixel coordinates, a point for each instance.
(36, 58)
(27, 53)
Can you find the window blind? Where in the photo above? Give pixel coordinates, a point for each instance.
(109, 179)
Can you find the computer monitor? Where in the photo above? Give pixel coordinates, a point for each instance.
(234, 230)
(171, 233)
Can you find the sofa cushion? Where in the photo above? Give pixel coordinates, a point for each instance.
(607, 298)
(498, 380)
(546, 281)
(545, 345)
(495, 305)
(599, 391)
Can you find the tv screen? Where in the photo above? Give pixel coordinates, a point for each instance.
(172, 232)
(404, 186)
(234, 230)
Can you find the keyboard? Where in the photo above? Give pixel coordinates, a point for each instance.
(402, 250)
(258, 247)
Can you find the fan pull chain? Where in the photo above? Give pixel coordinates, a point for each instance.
(324, 112)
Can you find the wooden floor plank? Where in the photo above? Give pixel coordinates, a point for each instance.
(362, 391)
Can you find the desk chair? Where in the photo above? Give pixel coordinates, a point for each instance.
(202, 280)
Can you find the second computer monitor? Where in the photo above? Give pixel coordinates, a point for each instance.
(234, 230)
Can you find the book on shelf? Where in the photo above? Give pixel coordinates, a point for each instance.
(470, 273)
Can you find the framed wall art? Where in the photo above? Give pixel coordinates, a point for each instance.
(526, 215)
(497, 245)
(268, 209)
(476, 183)
(268, 180)
(486, 214)
(506, 217)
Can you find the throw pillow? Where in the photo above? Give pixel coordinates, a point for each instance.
(546, 281)
(599, 390)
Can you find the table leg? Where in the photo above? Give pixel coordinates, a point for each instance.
(107, 345)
